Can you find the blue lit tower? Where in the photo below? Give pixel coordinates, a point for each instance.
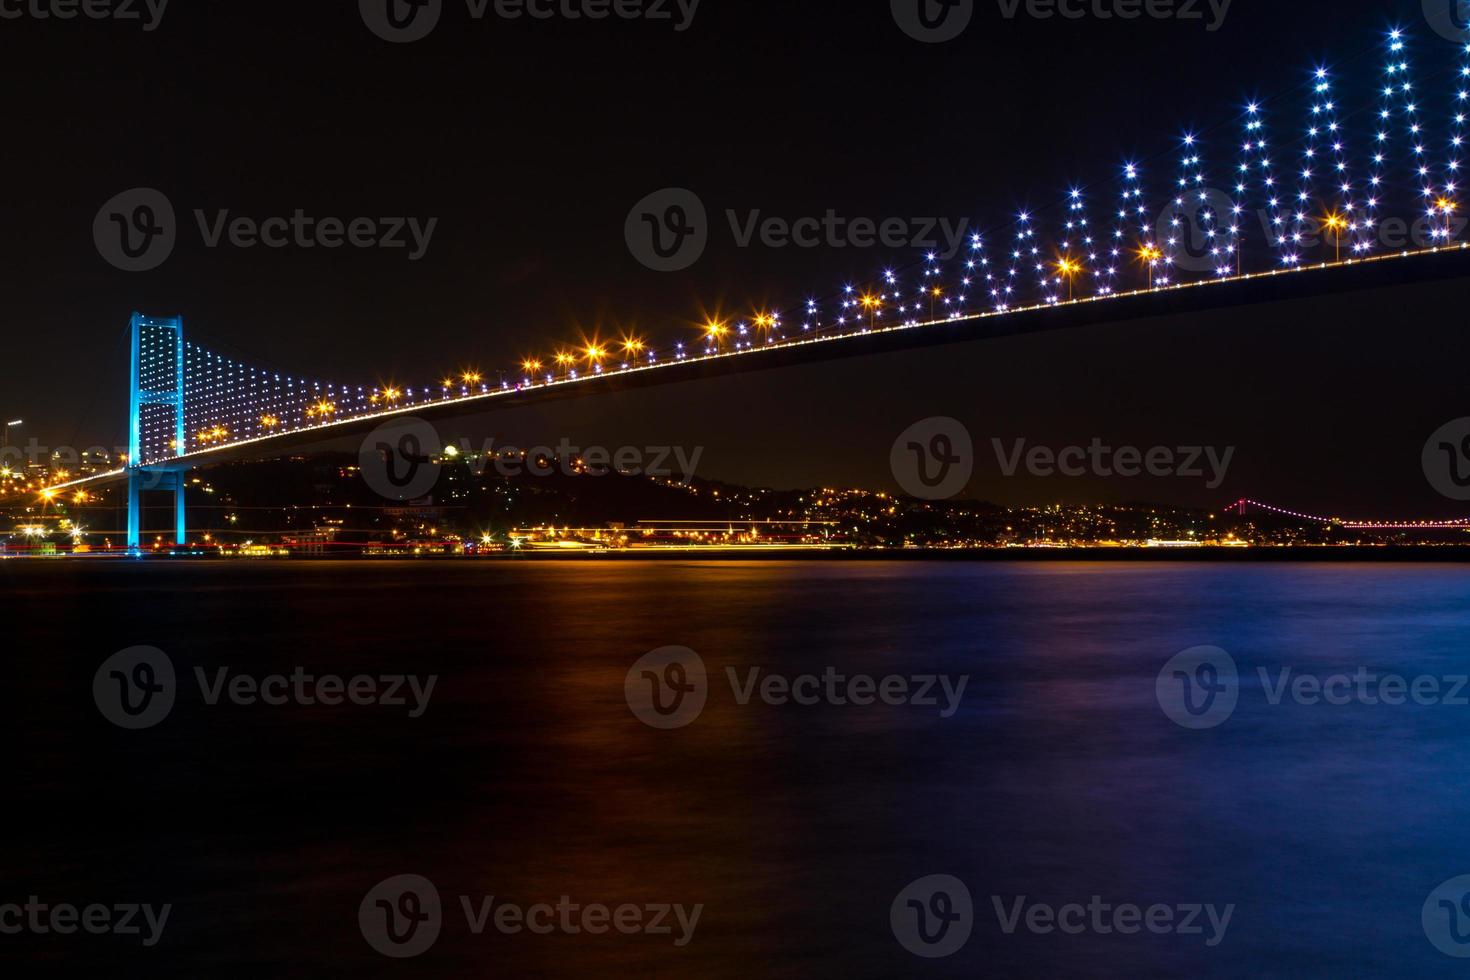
(156, 419)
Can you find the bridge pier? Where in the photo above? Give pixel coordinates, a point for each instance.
(181, 519)
(143, 479)
(135, 511)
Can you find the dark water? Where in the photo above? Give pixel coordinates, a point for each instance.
(529, 778)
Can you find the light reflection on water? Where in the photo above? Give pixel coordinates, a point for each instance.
(529, 778)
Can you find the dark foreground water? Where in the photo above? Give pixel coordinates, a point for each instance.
(803, 836)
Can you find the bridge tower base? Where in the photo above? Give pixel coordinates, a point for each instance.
(141, 480)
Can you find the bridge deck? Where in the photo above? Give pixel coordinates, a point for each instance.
(1350, 275)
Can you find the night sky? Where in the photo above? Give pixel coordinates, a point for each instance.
(529, 141)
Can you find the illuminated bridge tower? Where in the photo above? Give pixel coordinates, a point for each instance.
(156, 420)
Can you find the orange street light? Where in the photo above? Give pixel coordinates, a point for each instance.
(1068, 269)
(1151, 255)
(1337, 223)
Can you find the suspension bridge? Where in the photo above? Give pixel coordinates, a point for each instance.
(1246, 506)
(1292, 196)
